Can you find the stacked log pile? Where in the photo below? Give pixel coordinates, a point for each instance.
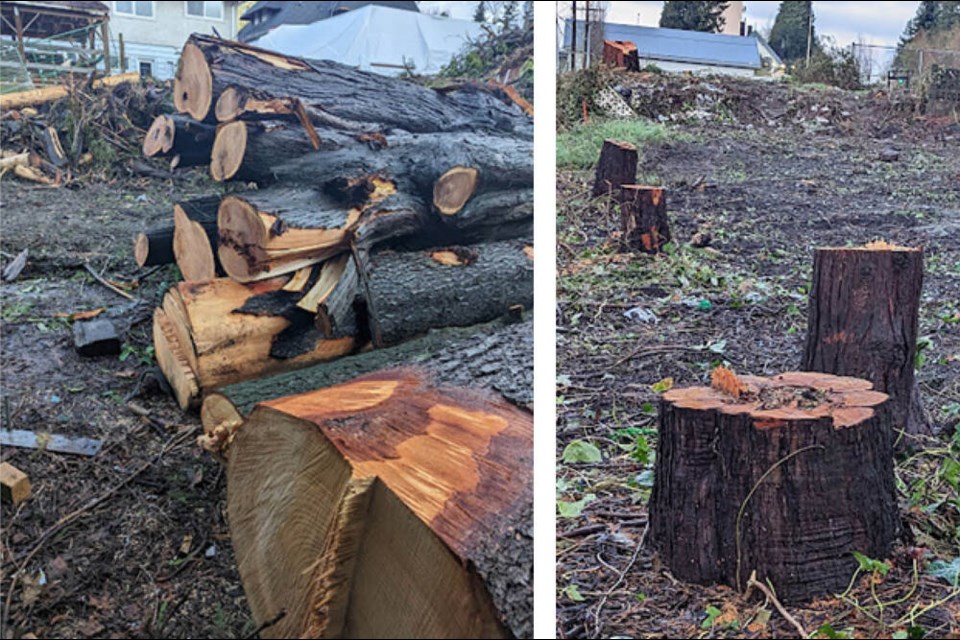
(361, 212)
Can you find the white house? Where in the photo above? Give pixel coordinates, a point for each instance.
(153, 32)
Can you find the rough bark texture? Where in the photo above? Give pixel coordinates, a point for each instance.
(497, 356)
(643, 218)
(862, 322)
(341, 95)
(408, 293)
(788, 481)
(179, 135)
(617, 166)
(459, 461)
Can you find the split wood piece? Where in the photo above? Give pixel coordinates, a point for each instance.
(204, 343)
(385, 506)
(644, 225)
(332, 299)
(617, 166)
(862, 321)
(333, 94)
(788, 480)
(52, 147)
(195, 238)
(14, 484)
(49, 94)
(157, 246)
(279, 230)
(178, 135)
(496, 356)
(409, 293)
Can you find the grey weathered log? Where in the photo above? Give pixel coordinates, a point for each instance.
(409, 293)
(96, 338)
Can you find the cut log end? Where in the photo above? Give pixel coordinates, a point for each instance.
(193, 83)
(454, 188)
(229, 105)
(160, 136)
(173, 361)
(191, 247)
(141, 249)
(229, 148)
(773, 402)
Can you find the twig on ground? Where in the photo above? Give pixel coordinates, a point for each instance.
(266, 625)
(598, 626)
(107, 283)
(772, 598)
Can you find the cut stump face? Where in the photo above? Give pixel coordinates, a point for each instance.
(786, 476)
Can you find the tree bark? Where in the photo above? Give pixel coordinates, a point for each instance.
(178, 135)
(207, 343)
(334, 94)
(497, 355)
(409, 293)
(195, 238)
(786, 476)
(154, 247)
(644, 225)
(863, 319)
(617, 166)
(397, 508)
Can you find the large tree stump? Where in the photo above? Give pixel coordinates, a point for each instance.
(643, 218)
(385, 507)
(786, 476)
(862, 322)
(617, 166)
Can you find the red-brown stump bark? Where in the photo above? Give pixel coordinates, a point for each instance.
(786, 476)
(617, 166)
(862, 322)
(643, 218)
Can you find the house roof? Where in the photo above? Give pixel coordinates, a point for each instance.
(302, 13)
(676, 45)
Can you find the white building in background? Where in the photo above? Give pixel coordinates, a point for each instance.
(153, 31)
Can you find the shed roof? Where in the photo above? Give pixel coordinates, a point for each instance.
(676, 45)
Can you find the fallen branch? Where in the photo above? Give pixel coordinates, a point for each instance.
(772, 598)
(107, 283)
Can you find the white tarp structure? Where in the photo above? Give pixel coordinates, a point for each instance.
(377, 39)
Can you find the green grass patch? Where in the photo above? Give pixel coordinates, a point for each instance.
(579, 147)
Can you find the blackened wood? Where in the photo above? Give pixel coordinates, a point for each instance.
(643, 218)
(789, 498)
(409, 293)
(154, 247)
(617, 166)
(179, 135)
(96, 338)
(863, 322)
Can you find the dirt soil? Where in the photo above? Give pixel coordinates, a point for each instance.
(131, 542)
(758, 185)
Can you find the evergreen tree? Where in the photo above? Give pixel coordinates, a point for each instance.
(527, 14)
(511, 11)
(693, 16)
(932, 16)
(792, 27)
(480, 15)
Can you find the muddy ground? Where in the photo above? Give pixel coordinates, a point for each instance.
(766, 179)
(131, 542)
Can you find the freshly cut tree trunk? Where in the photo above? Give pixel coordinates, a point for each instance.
(385, 506)
(178, 135)
(408, 293)
(215, 345)
(862, 321)
(496, 355)
(643, 218)
(195, 238)
(274, 231)
(617, 166)
(154, 247)
(334, 94)
(248, 150)
(786, 476)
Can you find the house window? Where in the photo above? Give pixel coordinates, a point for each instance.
(206, 9)
(146, 68)
(131, 8)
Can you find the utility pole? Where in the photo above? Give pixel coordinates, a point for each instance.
(586, 34)
(809, 30)
(573, 40)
